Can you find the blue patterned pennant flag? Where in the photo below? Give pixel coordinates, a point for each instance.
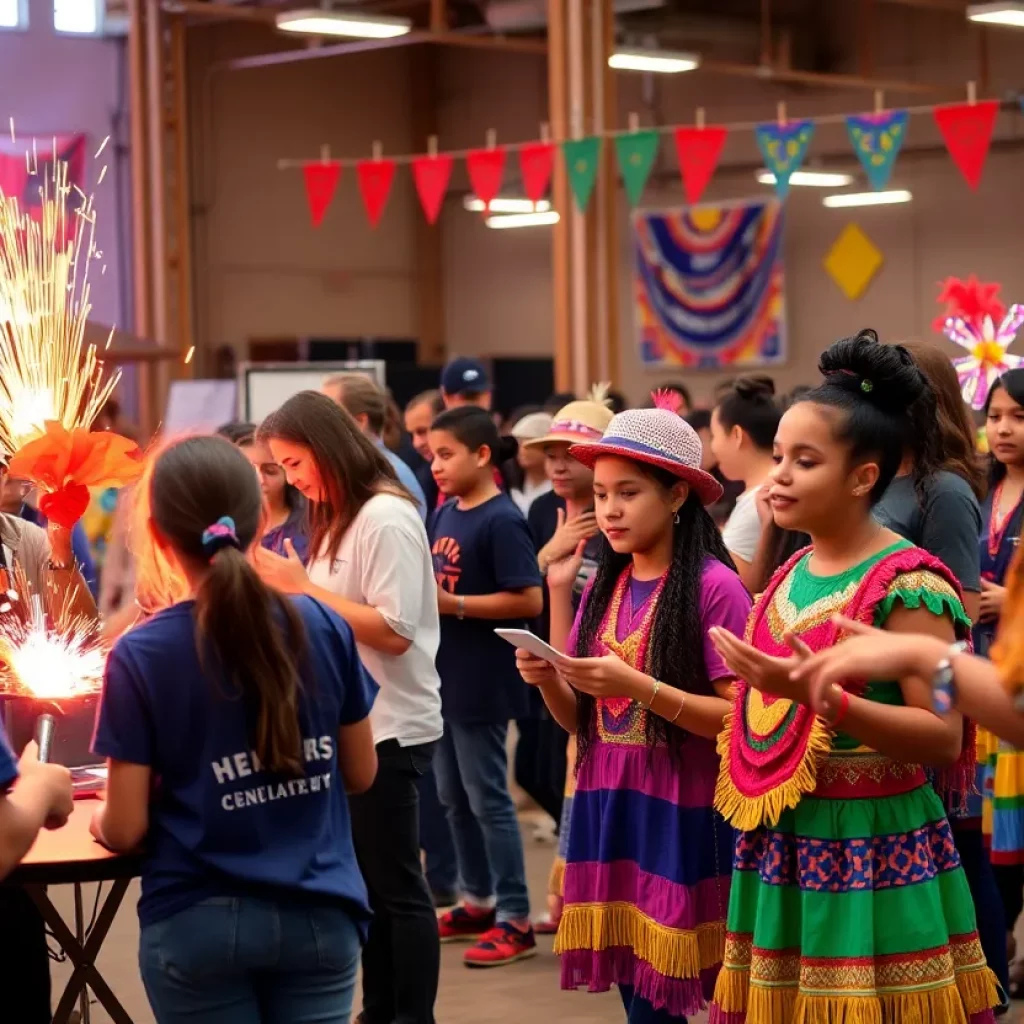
(784, 147)
(876, 139)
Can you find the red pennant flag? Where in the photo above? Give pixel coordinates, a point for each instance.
(375, 178)
(967, 130)
(321, 182)
(431, 174)
(486, 167)
(536, 162)
(698, 150)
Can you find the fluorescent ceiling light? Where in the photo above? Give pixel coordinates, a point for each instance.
(1004, 12)
(506, 204)
(659, 61)
(523, 220)
(815, 179)
(325, 22)
(867, 199)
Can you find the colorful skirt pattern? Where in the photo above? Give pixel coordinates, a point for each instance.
(1003, 789)
(647, 873)
(854, 909)
(556, 879)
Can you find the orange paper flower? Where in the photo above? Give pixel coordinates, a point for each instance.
(64, 464)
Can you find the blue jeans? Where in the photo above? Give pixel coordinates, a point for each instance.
(471, 764)
(441, 866)
(250, 961)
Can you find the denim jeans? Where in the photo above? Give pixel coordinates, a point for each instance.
(471, 764)
(442, 868)
(251, 961)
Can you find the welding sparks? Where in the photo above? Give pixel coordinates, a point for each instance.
(46, 369)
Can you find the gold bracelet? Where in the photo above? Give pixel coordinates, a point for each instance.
(682, 704)
(654, 693)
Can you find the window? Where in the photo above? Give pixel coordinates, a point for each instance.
(13, 14)
(81, 17)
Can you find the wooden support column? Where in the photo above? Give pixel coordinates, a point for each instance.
(429, 285)
(608, 367)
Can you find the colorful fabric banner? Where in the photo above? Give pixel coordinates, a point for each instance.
(635, 153)
(432, 174)
(321, 183)
(699, 150)
(708, 286)
(967, 130)
(784, 147)
(581, 161)
(536, 162)
(877, 139)
(16, 181)
(375, 180)
(486, 168)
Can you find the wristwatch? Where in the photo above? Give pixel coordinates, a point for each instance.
(943, 681)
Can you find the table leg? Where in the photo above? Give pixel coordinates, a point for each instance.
(84, 956)
(83, 1002)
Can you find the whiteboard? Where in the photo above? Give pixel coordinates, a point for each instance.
(264, 387)
(199, 405)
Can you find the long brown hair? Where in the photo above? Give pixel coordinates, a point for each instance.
(351, 467)
(252, 634)
(957, 438)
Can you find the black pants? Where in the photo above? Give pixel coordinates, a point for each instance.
(540, 759)
(24, 963)
(402, 957)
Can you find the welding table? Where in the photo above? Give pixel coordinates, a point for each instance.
(70, 856)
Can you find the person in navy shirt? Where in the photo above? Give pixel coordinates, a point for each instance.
(232, 724)
(487, 577)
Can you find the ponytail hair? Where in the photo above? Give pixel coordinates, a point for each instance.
(473, 427)
(205, 502)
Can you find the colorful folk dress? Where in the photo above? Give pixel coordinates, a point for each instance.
(647, 875)
(848, 904)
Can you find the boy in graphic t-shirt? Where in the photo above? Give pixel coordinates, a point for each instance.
(487, 577)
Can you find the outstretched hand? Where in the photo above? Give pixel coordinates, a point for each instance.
(284, 573)
(762, 671)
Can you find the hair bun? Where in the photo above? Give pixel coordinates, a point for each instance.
(508, 446)
(754, 387)
(884, 375)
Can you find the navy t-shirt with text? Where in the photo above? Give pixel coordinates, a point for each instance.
(481, 550)
(220, 824)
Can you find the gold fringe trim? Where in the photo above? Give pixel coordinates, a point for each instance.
(773, 1003)
(556, 878)
(672, 952)
(732, 988)
(978, 989)
(747, 813)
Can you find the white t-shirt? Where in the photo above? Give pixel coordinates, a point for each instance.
(529, 494)
(742, 529)
(384, 561)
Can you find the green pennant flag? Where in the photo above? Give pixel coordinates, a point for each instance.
(636, 153)
(582, 157)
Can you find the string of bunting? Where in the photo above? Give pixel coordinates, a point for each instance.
(876, 138)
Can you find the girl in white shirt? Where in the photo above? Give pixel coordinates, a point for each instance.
(369, 560)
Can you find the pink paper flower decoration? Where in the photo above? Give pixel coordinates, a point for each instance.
(988, 358)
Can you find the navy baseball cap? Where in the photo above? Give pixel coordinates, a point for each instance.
(462, 376)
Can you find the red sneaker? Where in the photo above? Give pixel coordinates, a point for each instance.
(503, 944)
(460, 924)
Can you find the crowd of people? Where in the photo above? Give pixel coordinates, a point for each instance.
(777, 725)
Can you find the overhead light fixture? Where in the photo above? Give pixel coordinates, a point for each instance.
(523, 220)
(662, 62)
(506, 204)
(813, 179)
(1002, 12)
(867, 199)
(316, 21)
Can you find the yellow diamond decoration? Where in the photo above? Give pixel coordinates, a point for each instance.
(853, 261)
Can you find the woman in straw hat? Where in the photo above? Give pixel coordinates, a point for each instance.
(647, 873)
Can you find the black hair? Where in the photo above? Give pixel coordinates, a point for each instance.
(473, 427)
(699, 419)
(617, 402)
(750, 405)
(237, 431)
(675, 653)
(558, 400)
(790, 398)
(1012, 382)
(883, 398)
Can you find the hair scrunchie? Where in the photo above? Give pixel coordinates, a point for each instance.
(220, 534)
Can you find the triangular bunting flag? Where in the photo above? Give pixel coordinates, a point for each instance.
(784, 147)
(636, 152)
(698, 150)
(486, 167)
(431, 174)
(321, 180)
(967, 130)
(536, 162)
(581, 160)
(876, 139)
(375, 178)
